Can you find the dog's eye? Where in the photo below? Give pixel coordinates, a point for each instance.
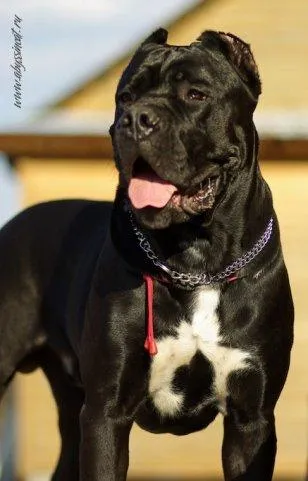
(125, 98)
(179, 76)
(194, 94)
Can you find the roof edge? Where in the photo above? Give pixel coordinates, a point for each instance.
(61, 102)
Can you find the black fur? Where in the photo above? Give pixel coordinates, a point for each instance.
(72, 297)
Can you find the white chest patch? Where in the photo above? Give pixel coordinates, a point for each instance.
(203, 335)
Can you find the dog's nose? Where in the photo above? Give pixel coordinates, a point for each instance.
(140, 124)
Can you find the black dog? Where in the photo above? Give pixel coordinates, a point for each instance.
(191, 242)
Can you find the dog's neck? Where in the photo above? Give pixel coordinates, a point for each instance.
(197, 247)
(236, 224)
(192, 248)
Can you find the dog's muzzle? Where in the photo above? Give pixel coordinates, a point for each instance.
(147, 189)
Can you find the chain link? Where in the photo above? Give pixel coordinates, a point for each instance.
(194, 280)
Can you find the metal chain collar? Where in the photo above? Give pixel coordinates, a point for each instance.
(191, 281)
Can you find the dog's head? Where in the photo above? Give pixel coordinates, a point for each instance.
(181, 122)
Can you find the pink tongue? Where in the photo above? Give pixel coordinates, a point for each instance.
(149, 190)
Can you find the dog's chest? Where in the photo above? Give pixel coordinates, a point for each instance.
(198, 337)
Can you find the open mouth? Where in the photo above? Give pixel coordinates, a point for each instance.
(147, 189)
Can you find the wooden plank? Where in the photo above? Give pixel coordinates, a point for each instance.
(87, 145)
(55, 146)
(283, 149)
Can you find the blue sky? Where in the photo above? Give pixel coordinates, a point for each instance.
(64, 42)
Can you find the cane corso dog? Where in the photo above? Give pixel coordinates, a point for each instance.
(171, 305)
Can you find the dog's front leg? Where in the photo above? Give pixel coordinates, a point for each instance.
(249, 445)
(114, 370)
(104, 445)
(249, 449)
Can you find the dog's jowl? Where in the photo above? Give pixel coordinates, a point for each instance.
(172, 305)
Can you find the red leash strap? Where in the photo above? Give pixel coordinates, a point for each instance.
(150, 344)
(232, 278)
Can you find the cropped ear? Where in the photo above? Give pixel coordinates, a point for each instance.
(238, 54)
(159, 36)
